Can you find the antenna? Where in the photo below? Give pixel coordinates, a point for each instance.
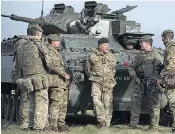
(42, 12)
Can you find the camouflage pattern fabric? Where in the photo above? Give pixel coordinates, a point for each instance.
(41, 109)
(28, 55)
(53, 59)
(169, 61)
(169, 69)
(31, 67)
(148, 64)
(26, 111)
(136, 102)
(154, 105)
(58, 106)
(102, 69)
(58, 85)
(170, 93)
(102, 101)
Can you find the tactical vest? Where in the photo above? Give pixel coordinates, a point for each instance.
(29, 58)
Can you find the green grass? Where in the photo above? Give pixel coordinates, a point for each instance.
(91, 129)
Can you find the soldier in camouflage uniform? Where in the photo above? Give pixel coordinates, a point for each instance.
(32, 81)
(167, 75)
(58, 96)
(146, 66)
(102, 67)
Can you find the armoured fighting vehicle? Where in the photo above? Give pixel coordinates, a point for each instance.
(80, 33)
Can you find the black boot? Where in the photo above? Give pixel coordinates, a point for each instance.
(133, 126)
(102, 124)
(50, 128)
(63, 128)
(173, 130)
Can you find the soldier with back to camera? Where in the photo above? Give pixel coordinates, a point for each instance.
(101, 67)
(33, 82)
(147, 65)
(167, 76)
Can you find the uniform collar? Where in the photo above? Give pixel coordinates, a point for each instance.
(100, 53)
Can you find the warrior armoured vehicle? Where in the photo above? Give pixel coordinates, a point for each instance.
(80, 33)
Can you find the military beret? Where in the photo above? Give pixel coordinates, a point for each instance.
(166, 31)
(54, 37)
(36, 27)
(103, 40)
(145, 38)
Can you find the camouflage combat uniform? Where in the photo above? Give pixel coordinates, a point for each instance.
(35, 91)
(58, 92)
(101, 68)
(169, 69)
(32, 84)
(148, 64)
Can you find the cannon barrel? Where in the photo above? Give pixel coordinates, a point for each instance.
(123, 10)
(27, 20)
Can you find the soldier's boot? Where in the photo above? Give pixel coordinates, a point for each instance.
(153, 127)
(102, 124)
(63, 128)
(133, 126)
(50, 128)
(173, 130)
(26, 129)
(134, 122)
(154, 124)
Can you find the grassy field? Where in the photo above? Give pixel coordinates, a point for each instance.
(90, 129)
(85, 125)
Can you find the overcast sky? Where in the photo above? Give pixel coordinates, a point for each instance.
(154, 16)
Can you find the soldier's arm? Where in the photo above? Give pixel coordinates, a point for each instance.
(114, 64)
(158, 63)
(55, 64)
(170, 58)
(135, 61)
(88, 67)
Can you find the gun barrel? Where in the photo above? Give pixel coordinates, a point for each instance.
(123, 10)
(8, 16)
(24, 19)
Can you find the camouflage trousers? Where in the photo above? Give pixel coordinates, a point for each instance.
(58, 106)
(153, 105)
(170, 93)
(41, 109)
(102, 101)
(26, 112)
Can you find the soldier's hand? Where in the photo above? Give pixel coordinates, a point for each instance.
(159, 81)
(27, 37)
(67, 77)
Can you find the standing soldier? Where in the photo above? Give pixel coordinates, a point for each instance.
(102, 67)
(146, 66)
(58, 83)
(168, 72)
(33, 81)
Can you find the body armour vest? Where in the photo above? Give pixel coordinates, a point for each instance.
(29, 58)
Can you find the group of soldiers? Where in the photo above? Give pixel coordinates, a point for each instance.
(41, 77)
(155, 75)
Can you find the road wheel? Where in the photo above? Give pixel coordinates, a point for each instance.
(2, 106)
(6, 106)
(18, 101)
(12, 111)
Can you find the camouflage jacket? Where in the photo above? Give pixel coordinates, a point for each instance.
(54, 64)
(102, 68)
(167, 74)
(148, 64)
(169, 57)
